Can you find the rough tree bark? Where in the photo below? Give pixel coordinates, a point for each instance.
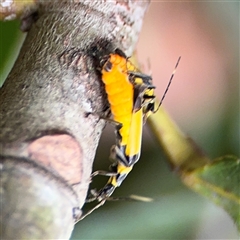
(47, 141)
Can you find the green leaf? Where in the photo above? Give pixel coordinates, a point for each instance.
(220, 182)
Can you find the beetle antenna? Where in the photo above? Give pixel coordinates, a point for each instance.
(169, 83)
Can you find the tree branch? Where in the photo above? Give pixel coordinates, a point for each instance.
(45, 131)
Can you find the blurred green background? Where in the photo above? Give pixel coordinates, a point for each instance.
(203, 100)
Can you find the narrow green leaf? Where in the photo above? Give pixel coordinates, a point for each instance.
(220, 182)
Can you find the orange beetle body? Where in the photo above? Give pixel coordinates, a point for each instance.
(129, 95)
(131, 99)
(120, 93)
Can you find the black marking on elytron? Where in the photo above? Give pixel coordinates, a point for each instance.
(105, 192)
(109, 188)
(118, 153)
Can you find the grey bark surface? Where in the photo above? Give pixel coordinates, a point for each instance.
(47, 141)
